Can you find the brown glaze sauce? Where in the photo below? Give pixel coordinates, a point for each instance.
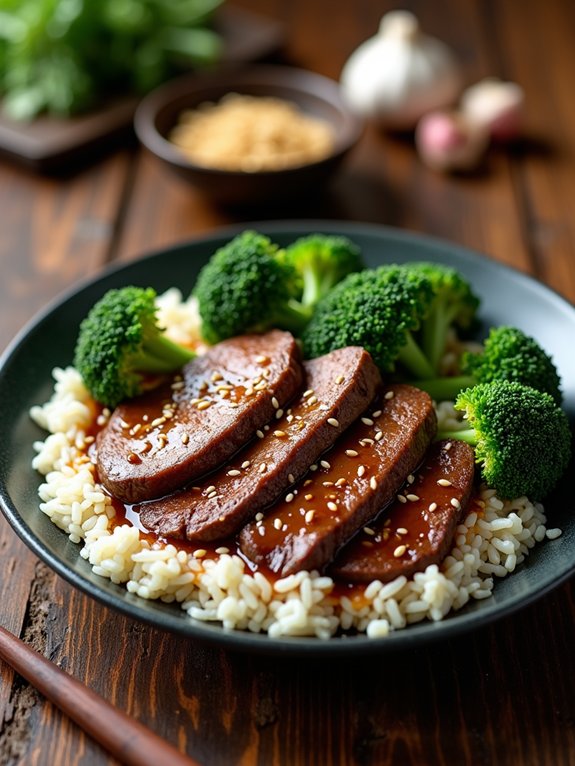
(417, 528)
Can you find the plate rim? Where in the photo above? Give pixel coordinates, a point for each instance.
(245, 641)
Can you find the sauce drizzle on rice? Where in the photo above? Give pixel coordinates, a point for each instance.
(214, 583)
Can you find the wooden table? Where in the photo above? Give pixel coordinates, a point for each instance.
(503, 695)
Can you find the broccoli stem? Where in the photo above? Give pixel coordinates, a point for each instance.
(160, 354)
(293, 316)
(445, 389)
(468, 435)
(412, 357)
(312, 287)
(434, 334)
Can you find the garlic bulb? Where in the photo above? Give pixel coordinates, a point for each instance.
(497, 105)
(400, 74)
(448, 141)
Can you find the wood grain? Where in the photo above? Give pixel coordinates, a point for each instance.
(502, 695)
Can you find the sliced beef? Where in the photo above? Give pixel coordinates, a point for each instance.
(354, 481)
(157, 442)
(339, 387)
(418, 528)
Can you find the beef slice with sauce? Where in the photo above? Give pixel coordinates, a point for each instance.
(418, 527)
(353, 482)
(339, 386)
(157, 442)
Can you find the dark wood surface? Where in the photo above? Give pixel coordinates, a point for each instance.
(503, 695)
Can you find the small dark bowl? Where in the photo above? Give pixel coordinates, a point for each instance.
(313, 94)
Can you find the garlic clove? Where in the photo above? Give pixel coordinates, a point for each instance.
(448, 141)
(400, 74)
(496, 105)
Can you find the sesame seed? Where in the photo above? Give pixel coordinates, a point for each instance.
(155, 422)
(373, 482)
(412, 498)
(341, 482)
(327, 483)
(234, 472)
(367, 421)
(333, 422)
(312, 400)
(309, 496)
(195, 401)
(246, 464)
(433, 507)
(280, 434)
(261, 359)
(289, 497)
(234, 405)
(134, 430)
(309, 516)
(185, 438)
(376, 414)
(351, 452)
(275, 403)
(378, 436)
(200, 553)
(361, 471)
(259, 516)
(216, 376)
(455, 503)
(399, 551)
(447, 447)
(224, 387)
(388, 395)
(324, 464)
(368, 531)
(401, 531)
(212, 495)
(307, 392)
(210, 488)
(279, 414)
(261, 385)
(262, 468)
(444, 482)
(177, 385)
(222, 549)
(203, 405)
(249, 391)
(313, 467)
(277, 523)
(260, 434)
(332, 506)
(291, 478)
(402, 498)
(339, 379)
(410, 478)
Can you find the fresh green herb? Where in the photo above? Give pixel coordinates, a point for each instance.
(65, 56)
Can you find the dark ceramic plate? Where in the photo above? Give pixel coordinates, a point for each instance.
(25, 380)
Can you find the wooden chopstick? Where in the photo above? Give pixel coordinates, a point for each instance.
(126, 739)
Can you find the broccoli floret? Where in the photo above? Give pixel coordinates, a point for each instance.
(321, 261)
(120, 341)
(454, 306)
(508, 354)
(379, 309)
(246, 287)
(521, 437)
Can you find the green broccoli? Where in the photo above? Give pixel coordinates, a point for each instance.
(120, 341)
(321, 261)
(246, 287)
(454, 306)
(521, 437)
(379, 309)
(508, 354)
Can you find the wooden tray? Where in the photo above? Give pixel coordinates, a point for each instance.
(49, 144)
